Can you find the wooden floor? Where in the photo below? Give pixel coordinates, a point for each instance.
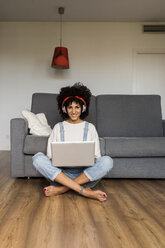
(133, 216)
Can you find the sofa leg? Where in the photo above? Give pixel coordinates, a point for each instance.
(28, 178)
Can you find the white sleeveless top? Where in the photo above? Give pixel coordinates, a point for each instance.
(74, 132)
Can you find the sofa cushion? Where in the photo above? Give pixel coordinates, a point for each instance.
(46, 103)
(135, 147)
(129, 116)
(102, 146)
(37, 123)
(34, 144)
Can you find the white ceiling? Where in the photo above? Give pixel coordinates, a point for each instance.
(83, 10)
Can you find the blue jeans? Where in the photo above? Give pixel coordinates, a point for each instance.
(101, 167)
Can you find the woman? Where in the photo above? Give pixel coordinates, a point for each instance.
(73, 105)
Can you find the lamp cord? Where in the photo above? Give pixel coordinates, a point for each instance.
(60, 30)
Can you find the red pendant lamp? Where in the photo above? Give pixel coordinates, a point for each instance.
(60, 58)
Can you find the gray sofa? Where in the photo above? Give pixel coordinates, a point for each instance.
(130, 128)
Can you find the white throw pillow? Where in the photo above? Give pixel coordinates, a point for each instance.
(37, 123)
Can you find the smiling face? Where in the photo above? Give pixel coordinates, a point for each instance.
(74, 112)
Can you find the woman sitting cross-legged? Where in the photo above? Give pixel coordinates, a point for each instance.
(73, 104)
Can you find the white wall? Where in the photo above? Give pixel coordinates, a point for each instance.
(101, 56)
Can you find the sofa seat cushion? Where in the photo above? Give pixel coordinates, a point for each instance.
(135, 147)
(34, 144)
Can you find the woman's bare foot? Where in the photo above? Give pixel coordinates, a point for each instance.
(53, 190)
(95, 194)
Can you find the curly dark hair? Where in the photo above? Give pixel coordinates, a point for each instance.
(78, 89)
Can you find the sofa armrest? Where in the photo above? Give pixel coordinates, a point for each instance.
(18, 132)
(163, 127)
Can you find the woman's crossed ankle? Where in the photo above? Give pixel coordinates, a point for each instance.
(87, 192)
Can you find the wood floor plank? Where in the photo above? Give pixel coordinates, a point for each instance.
(15, 222)
(153, 203)
(134, 202)
(132, 217)
(155, 188)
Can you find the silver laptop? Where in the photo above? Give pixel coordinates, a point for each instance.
(73, 154)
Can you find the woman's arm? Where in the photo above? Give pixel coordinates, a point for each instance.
(52, 138)
(95, 138)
